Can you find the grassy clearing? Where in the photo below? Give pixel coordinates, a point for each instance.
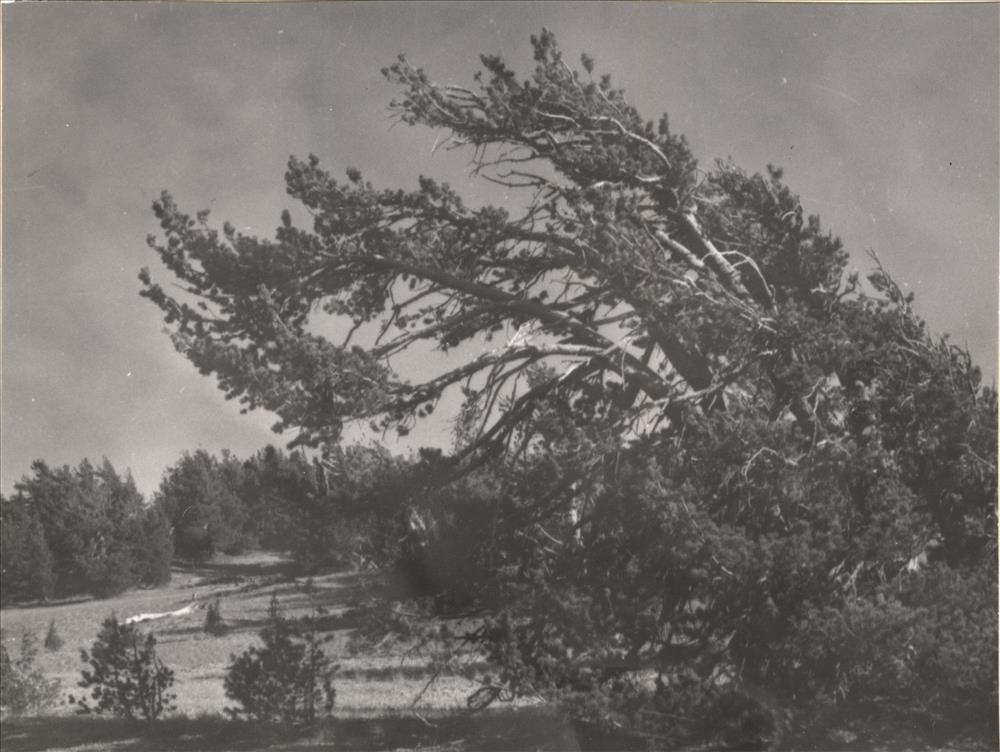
(376, 688)
(376, 685)
(194, 655)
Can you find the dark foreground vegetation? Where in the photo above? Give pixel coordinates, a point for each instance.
(498, 730)
(707, 487)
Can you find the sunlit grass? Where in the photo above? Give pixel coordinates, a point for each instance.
(244, 586)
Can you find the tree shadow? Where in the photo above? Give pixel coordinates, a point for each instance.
(326, 603)
(223, 569)
(52, 603)
(508, 729)
(180, 734)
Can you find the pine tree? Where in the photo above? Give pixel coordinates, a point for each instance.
(714, 452)
(86, 530)
(26, 562)
(200, 497)
(125, 676)
(53, 641)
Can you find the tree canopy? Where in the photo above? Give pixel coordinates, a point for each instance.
(200, 495)
(80, 530)
(656, 279)
(710, 454)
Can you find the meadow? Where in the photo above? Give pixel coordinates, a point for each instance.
(398, 694)
(390, 695)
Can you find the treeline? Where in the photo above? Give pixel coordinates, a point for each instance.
(322, 512)
(87, 530)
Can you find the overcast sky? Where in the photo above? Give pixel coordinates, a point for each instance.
(885, 119)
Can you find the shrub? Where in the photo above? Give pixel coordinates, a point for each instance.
(53, 641)
(214, 623)
(127, 678)
(24, 689)
(287, 679)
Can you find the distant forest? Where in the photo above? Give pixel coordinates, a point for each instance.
(86, 530)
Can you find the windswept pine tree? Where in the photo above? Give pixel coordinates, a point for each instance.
(713, 458)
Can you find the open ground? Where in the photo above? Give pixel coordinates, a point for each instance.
(385, 699)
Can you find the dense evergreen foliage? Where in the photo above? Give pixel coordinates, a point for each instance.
(125, 676)
(200, 495)
(717, 486)
(24, 689)
(320, 514)
(25, 558)
(69, 531)
(286, 679)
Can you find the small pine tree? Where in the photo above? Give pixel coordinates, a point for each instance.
(24, 690)
(53, 641)
(288, 679)
(275, 612)
(214, 623)
(127, 678)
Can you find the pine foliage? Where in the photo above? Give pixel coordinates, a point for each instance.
(82, 530)
(126, 677)
(727, 485)
(24, 689)
(287, 679)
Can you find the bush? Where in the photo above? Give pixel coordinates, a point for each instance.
(214, 623)
(287, 679)
(53, 641)
(24, 689)
(127, 677)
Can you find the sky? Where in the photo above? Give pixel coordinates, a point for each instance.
(884, 118)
